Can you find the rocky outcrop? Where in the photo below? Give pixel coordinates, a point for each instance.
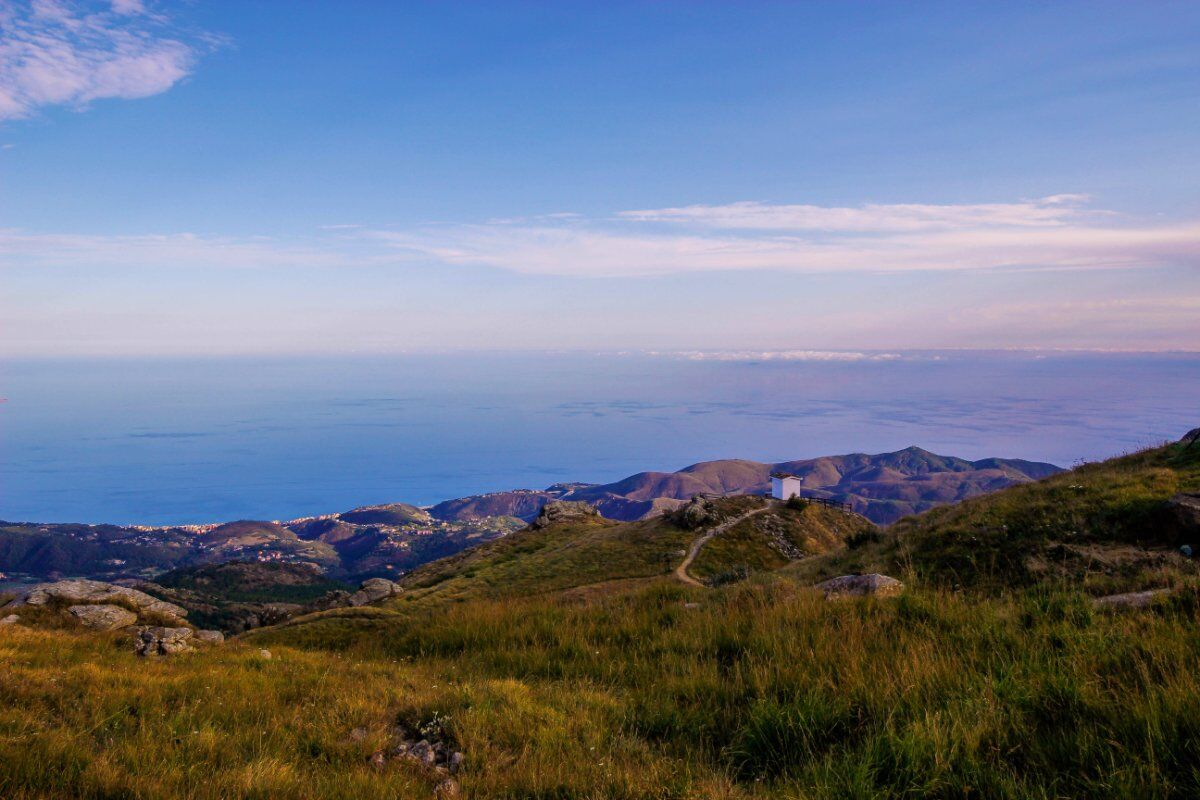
(209, 637)
(1185, 508)
(697, 513)
(427, 749)
(563, 511)
(103, 617)
(374, 590)
(337, 598)
(1131, 599)
(89, 592)
(159, 641)
(873, 585)
(1191, 438)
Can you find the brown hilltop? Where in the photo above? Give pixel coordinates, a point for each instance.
(881, 487)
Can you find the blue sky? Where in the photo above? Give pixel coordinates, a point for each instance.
(224, 178)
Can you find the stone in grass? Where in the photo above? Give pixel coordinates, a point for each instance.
(158, 641)
(103, 617)
(210, 637)
(11, 619)
(873, 585)
(374, 590)
(1130, 599)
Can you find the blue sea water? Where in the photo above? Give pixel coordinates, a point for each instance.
(177, 441)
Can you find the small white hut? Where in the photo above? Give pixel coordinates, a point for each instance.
(784, 486)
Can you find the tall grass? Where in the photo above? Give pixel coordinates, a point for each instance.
(764, 690)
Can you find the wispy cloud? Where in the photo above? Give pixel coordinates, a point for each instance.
(57, 53)
(1058, 210)
(1057, 232)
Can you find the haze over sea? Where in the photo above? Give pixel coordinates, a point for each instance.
(179, 441)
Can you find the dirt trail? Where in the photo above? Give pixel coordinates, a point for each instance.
(681, 571)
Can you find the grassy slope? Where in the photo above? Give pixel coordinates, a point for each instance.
(814, 530)
(763, 691)
(560, 557)
(1104, 527)
(595, 551)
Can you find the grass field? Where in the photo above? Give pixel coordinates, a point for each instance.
(763, 690)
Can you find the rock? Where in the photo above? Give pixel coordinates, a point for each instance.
(1130, 599)
(103, 617)
(434, 755)
(1191, 437)
(88, 592)
(873, 585)
(336, 598)
(563, 511)
(159, 641)
(697, 513)
(423, 753)
(1185, 508)
(210, 637)
(374, 590)
(447, 790)
(377, 759)
(264, 653)
(11, 619)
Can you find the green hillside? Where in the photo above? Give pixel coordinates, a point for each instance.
(1102, 527)
(591, 551)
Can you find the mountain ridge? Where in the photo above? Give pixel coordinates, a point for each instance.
(882, 487)
(393, 538)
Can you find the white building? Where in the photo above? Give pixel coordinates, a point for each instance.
(784, 487)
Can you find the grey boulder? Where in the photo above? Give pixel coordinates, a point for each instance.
(563, 511)
(374, 590)
(1131, 599)
(873, 585)
(159, 641)
(1185, 508)
(88, 592)
(103, 617)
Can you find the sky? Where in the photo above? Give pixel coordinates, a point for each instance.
(247, 178)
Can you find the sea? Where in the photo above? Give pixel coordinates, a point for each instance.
(173, 441)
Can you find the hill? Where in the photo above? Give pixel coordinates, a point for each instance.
(234, 596)
(390, 539)
(252, 581)
(882, 487)
(1104, 527)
